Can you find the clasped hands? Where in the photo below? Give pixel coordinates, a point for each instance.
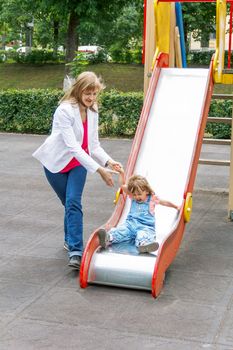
(106, 174)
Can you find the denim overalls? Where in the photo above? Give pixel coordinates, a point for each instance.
(139, 225)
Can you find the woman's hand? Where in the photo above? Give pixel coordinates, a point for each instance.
(117, 166)
(106, 176)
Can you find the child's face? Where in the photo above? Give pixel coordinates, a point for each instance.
(140, 196)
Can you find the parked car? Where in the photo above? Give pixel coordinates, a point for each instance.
(8, 48)
(89, 48)
(95, 53)
(23, 49)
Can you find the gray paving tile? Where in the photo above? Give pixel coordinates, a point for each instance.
(196, 287)
(5, 319)
(46, 210)
(36, 335)
(202, 262)
(123, 311)
(49, 246)
(218, 241)
(69, 280)
(33, 270)
(41, 303)
(20, 232)
(12, 203)
(16, 294)
(225, 335)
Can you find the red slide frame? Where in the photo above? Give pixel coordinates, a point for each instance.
(170, 246)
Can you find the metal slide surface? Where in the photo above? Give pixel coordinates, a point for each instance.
(165, 157)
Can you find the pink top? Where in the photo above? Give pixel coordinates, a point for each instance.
(74, 162)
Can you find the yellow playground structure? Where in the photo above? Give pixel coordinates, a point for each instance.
(162, 34)
(165, 150)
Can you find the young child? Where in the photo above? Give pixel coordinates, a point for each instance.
(140, 222)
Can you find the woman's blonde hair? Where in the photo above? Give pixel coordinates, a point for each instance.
(86, 81)
(138, 184)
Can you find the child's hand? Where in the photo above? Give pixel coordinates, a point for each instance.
(121, 170)
(115, 165)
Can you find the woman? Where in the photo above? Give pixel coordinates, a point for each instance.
(67, 155)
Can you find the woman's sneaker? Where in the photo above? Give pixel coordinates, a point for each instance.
(66, 247)
(75, 262)
(148, 248)
(103, 238)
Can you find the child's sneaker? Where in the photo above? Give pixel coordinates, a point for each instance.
(148, 248)
(103, 238)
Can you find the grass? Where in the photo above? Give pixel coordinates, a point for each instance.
(123, 77)
(19, 76)
(223, 89)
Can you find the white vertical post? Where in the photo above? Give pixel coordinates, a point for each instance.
(149, 43)
(172, 36)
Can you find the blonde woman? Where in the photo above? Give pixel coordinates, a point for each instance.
(67, 155)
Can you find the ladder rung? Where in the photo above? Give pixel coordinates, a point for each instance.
(227, 120)
(216, 141)
(214, 162)
(222, 97)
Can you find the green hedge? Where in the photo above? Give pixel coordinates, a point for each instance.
(125, 55)
(220, 108)
(120, 112)
(27, 111)
(35, 56)
(31, 111)
(38, 56)
(201, 57)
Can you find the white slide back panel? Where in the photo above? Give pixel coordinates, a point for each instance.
(170, 138)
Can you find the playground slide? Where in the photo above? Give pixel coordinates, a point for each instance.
(165, 150)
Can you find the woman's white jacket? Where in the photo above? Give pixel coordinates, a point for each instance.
(66, 139)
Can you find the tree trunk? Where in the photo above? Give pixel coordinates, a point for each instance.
(205, 40)
(72, 39)
(55, 36)
(186, 38)
(29, 36)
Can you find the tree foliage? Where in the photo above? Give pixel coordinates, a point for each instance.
(108, 23)
(199, 18)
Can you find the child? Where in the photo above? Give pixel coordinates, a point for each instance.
(140, 222)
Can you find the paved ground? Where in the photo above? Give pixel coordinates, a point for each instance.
(41, 304)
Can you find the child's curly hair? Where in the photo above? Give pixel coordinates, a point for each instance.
(138, 184)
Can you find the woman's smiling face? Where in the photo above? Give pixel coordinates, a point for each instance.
(89, 97)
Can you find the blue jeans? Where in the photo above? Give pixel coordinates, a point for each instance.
(69, 188)
(130, 230)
